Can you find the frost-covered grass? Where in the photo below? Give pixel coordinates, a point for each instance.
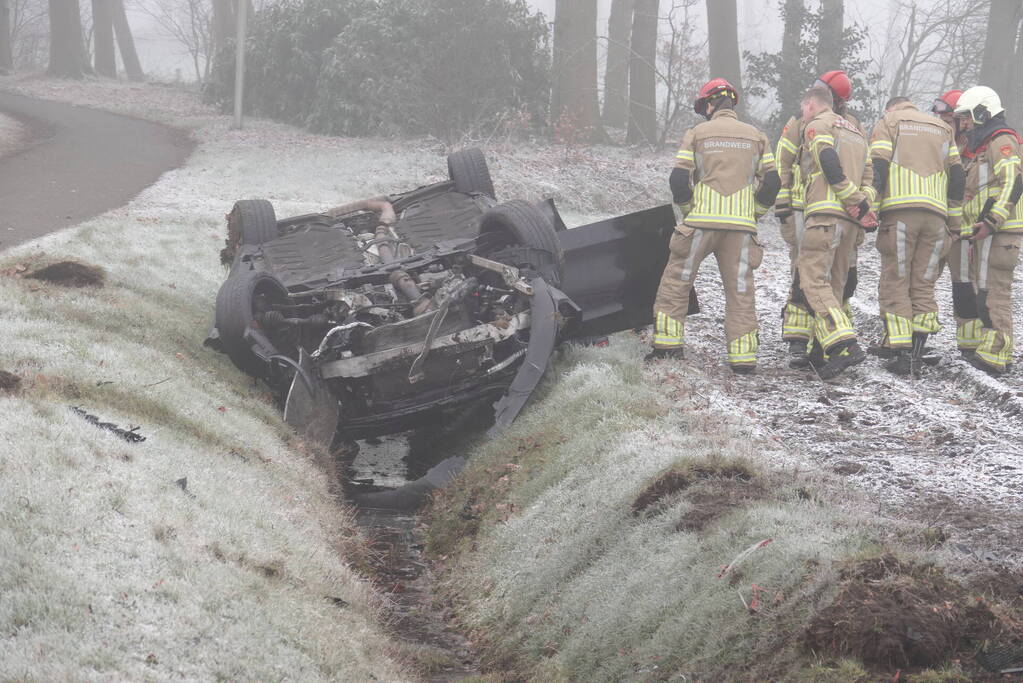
(110, 567)
(563, 576)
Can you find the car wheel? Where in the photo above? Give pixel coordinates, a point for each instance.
(244, 295)
(467, 168)
(520, 223)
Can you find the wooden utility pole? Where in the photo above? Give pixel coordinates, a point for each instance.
(239, 65)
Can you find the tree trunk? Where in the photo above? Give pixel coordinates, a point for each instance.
(791, 83)
(574, 104)
(103, 38)
(1016, 75)
(223, 24)
(723, 38)
(998, 52)
(616, 75)
(126, 42)
(79, 32)
(829, 42)
(6, 55)
(642, 78)
(65, 43)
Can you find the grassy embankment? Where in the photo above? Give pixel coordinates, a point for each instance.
(619, 531)
(216, 548)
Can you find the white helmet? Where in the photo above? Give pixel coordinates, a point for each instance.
(980, 103)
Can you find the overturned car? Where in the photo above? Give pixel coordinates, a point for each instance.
(377, 316)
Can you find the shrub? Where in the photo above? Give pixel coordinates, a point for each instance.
(358, 67)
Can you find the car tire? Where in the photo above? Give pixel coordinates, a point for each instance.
(468, 169)
(520, 223)
(236, 310)
(253, 221)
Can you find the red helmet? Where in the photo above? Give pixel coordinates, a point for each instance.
(946, 104)
(838, 82)
(711, 89)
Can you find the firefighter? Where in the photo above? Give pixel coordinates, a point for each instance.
(724, 180)
(797, 317)
(837, 190)
(992, 220)
(919, 182)
(964, 299)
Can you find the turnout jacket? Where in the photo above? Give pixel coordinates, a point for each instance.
(916, 163)
(835, 168)
(993, 184)
(788, 158)
(730, 167)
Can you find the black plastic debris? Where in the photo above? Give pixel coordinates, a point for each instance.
(130, 435)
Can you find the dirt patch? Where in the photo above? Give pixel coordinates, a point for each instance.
(892, 614)
(714, 498)
(70, 274)
(9, 382)
(685, 474)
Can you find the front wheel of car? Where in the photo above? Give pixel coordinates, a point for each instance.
(243, 297)
(519, 223)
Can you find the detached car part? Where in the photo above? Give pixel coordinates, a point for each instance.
(379, 315)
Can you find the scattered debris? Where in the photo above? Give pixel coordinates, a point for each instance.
(70, 274)
(130, 435)
(9, 382)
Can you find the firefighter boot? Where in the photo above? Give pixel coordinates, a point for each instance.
(919, 354)
(677, 353)
(900, 362)
(839, 359)
(812, 356)
(797, 348)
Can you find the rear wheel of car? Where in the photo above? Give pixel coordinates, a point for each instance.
(243, 296)
(520, 223)
(468, 169)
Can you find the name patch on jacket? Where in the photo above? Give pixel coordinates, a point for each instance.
(728, 144)
(917, 128)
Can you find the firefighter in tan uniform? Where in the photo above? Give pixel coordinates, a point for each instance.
(919, 182)
(797, 317)
(992, 220)
(723, 182)
(964, 299)
(837, 193)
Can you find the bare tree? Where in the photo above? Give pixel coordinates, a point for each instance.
(642, 76)
(616, 73)
(829, 43)
(67, 46)
(6, 53)
(790, 87)
(190, 23)
(29, 33)
(574, 103)
(103, 39)
(998, 48)
(682, 68)
(125, 41)
(723, 39)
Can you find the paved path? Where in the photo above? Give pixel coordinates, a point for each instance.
(80, 163)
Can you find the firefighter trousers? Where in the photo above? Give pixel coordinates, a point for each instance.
(912, 243)
(992, 264)
(738, 254)
(825, 258)
(964, 298)
(797, 316)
